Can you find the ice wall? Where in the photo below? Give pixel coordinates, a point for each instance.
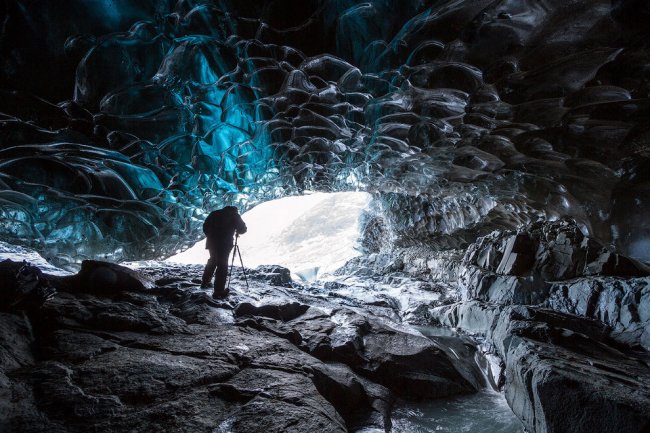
(461, 117)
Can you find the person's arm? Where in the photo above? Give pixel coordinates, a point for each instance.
(240, 226)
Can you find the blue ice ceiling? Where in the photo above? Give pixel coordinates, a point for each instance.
(123, 123)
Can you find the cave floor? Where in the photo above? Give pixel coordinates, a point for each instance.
(273, 356)
(349, 353)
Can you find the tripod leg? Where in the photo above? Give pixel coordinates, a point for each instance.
(242, 268)
(232, 265)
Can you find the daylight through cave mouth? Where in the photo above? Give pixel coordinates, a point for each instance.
(312, 234)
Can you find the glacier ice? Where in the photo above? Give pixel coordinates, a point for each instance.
(135, 119)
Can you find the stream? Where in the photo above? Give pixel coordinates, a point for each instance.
(484, 412)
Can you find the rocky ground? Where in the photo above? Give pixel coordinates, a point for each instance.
(569, 319)
(115, 349)
(118, 350)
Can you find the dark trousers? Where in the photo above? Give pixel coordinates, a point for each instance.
(218, 260)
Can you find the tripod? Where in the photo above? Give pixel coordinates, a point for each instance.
(236, 252)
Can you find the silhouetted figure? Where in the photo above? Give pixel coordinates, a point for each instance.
(220, 227)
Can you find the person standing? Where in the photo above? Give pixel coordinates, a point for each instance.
(220, 227)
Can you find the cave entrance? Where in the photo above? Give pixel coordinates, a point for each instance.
(312, 234)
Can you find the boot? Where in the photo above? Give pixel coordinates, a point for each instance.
(219, 294)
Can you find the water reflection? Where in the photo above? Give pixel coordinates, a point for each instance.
(483, 412)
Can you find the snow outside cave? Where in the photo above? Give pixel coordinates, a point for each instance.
(311, 234)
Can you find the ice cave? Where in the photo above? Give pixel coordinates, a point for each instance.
(446, 203)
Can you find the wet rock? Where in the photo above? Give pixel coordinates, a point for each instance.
(407, 362)
(105, 359)
(105, 277)
(588, 313)
(397, 359)
(551, 251)
(283, 312)
(623, 304)
(274, 327)
(351, 394)
(518, 255)
(474, 317)
(287, 404)
(274, 275)
(554, 358)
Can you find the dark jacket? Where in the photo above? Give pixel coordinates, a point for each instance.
(220, 227)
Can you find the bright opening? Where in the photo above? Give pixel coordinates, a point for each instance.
(311, 234)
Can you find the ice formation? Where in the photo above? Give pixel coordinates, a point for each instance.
(123, 123)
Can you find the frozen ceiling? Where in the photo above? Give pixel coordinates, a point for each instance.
(123, 123)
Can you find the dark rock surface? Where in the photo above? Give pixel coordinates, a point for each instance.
(409, 364)
(568, 319)
(556, 266)
(563, 372)
(623, 304)
(23, 286)
(550, 251)
(553, 265)
(543, 314)
(562, 319)
(114, 351)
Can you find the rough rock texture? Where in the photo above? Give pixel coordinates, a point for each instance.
(568, 318)
(550, 251)
(563, 320)
(563, 372)
(156, 352)
(410, 365)
(556, 266)
(23, 286)
(623, 304)
(548, 264)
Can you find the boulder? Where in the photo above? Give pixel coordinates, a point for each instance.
(412, 366)
(281, 311)
(563, 372)
(23, 286)
(407, 363)
(273, 275)
(360, 402)
(551, 251)
(104, 277)
(621, 303)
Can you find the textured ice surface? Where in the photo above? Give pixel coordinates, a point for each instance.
(19, 254)
(461, 117)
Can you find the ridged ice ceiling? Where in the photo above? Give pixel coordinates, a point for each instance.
(123, 123)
